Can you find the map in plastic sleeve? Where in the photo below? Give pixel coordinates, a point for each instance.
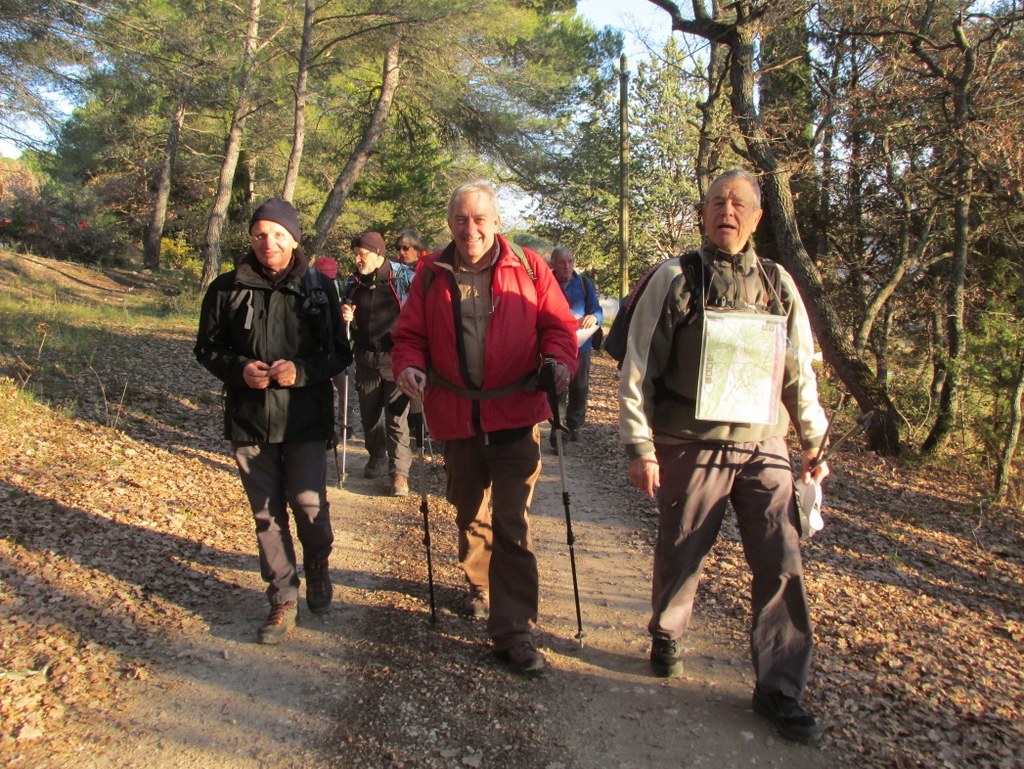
(741, 364)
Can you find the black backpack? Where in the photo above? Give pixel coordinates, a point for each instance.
(690, 262)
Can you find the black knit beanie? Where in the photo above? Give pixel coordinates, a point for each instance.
(282, 212)
(371, 241)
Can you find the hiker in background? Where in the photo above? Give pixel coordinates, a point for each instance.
(271, 331)
(482, 316)
(682, 446)
(582, 298)
(373, 296)
(409, 248)
(328, 267)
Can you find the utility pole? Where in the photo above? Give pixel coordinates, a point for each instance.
(623, 178)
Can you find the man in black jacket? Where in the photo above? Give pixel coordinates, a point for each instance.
(271, 331)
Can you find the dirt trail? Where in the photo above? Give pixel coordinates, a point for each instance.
(130, 595)
(374, 684)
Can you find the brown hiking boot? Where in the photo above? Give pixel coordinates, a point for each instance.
(400, 486)
(319, 590)
(281, 619)
(523, 658)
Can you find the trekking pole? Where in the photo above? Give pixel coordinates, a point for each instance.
(344, 421)
(546, 382)
(425, 510)
(862, 421)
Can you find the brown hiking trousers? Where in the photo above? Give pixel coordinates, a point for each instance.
(491, 486)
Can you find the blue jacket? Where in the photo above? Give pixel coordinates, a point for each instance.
(582, 298)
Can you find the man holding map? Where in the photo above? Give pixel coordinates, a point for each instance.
(717, 364)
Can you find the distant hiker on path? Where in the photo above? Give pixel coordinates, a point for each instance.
(271, 331)
(586, 307)
(700, 440)
(373, 296)
(482, 317)
(409, 248)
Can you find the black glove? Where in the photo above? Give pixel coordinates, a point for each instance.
(416, 427)
(546, 384)
(546, 378)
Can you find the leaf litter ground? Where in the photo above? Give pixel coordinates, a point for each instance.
(130, 596)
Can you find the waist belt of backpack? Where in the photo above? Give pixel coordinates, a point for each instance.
(480, 395)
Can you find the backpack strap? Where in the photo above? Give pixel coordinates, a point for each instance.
(522, 258)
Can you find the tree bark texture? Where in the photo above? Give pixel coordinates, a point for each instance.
(210, 250)
(361, 153)
(291, 175)
(1005, 468)
(155, 230)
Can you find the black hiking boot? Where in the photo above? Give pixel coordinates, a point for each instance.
(281, 619)
(523, 658)
(319, 590)
(665, 660)
(792, 721)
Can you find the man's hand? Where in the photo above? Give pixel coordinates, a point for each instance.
(588, 321)
(818, 473)
(645, 474)
(283, 372)
(412, 382)
(348, 312)
(256, 375)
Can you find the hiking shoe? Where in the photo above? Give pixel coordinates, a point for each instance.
(277, 624)
(574, 435)
(792, 721)
(478, 604)
(375, 467)
(523, 659)
(665, 660)
(400, 486)
(319, 590)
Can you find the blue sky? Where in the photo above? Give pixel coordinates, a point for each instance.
(638, 20)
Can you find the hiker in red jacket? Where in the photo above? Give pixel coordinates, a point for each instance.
(481, 318)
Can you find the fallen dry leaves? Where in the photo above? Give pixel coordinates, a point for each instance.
(106, 535)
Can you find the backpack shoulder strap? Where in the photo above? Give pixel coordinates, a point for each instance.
(771, 274)
(522, 258)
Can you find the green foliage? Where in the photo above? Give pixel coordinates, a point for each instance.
(177, 254)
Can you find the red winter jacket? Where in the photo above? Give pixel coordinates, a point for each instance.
(530, 320)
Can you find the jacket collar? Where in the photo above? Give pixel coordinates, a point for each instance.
(250, 272)
(714, 256)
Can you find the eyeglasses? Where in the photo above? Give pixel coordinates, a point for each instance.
(406, 248)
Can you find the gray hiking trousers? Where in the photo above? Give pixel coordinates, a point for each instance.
(277, 476)
(698, 479)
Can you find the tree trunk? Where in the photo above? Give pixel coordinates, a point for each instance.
(871, 395)
(1005, 468)
(291, 175)
(946, 416)
(709, 141)
(210, 250)
(155, 231)
(350, 173)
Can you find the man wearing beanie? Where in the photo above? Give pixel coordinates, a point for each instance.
(270, 330)
(373, 297)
